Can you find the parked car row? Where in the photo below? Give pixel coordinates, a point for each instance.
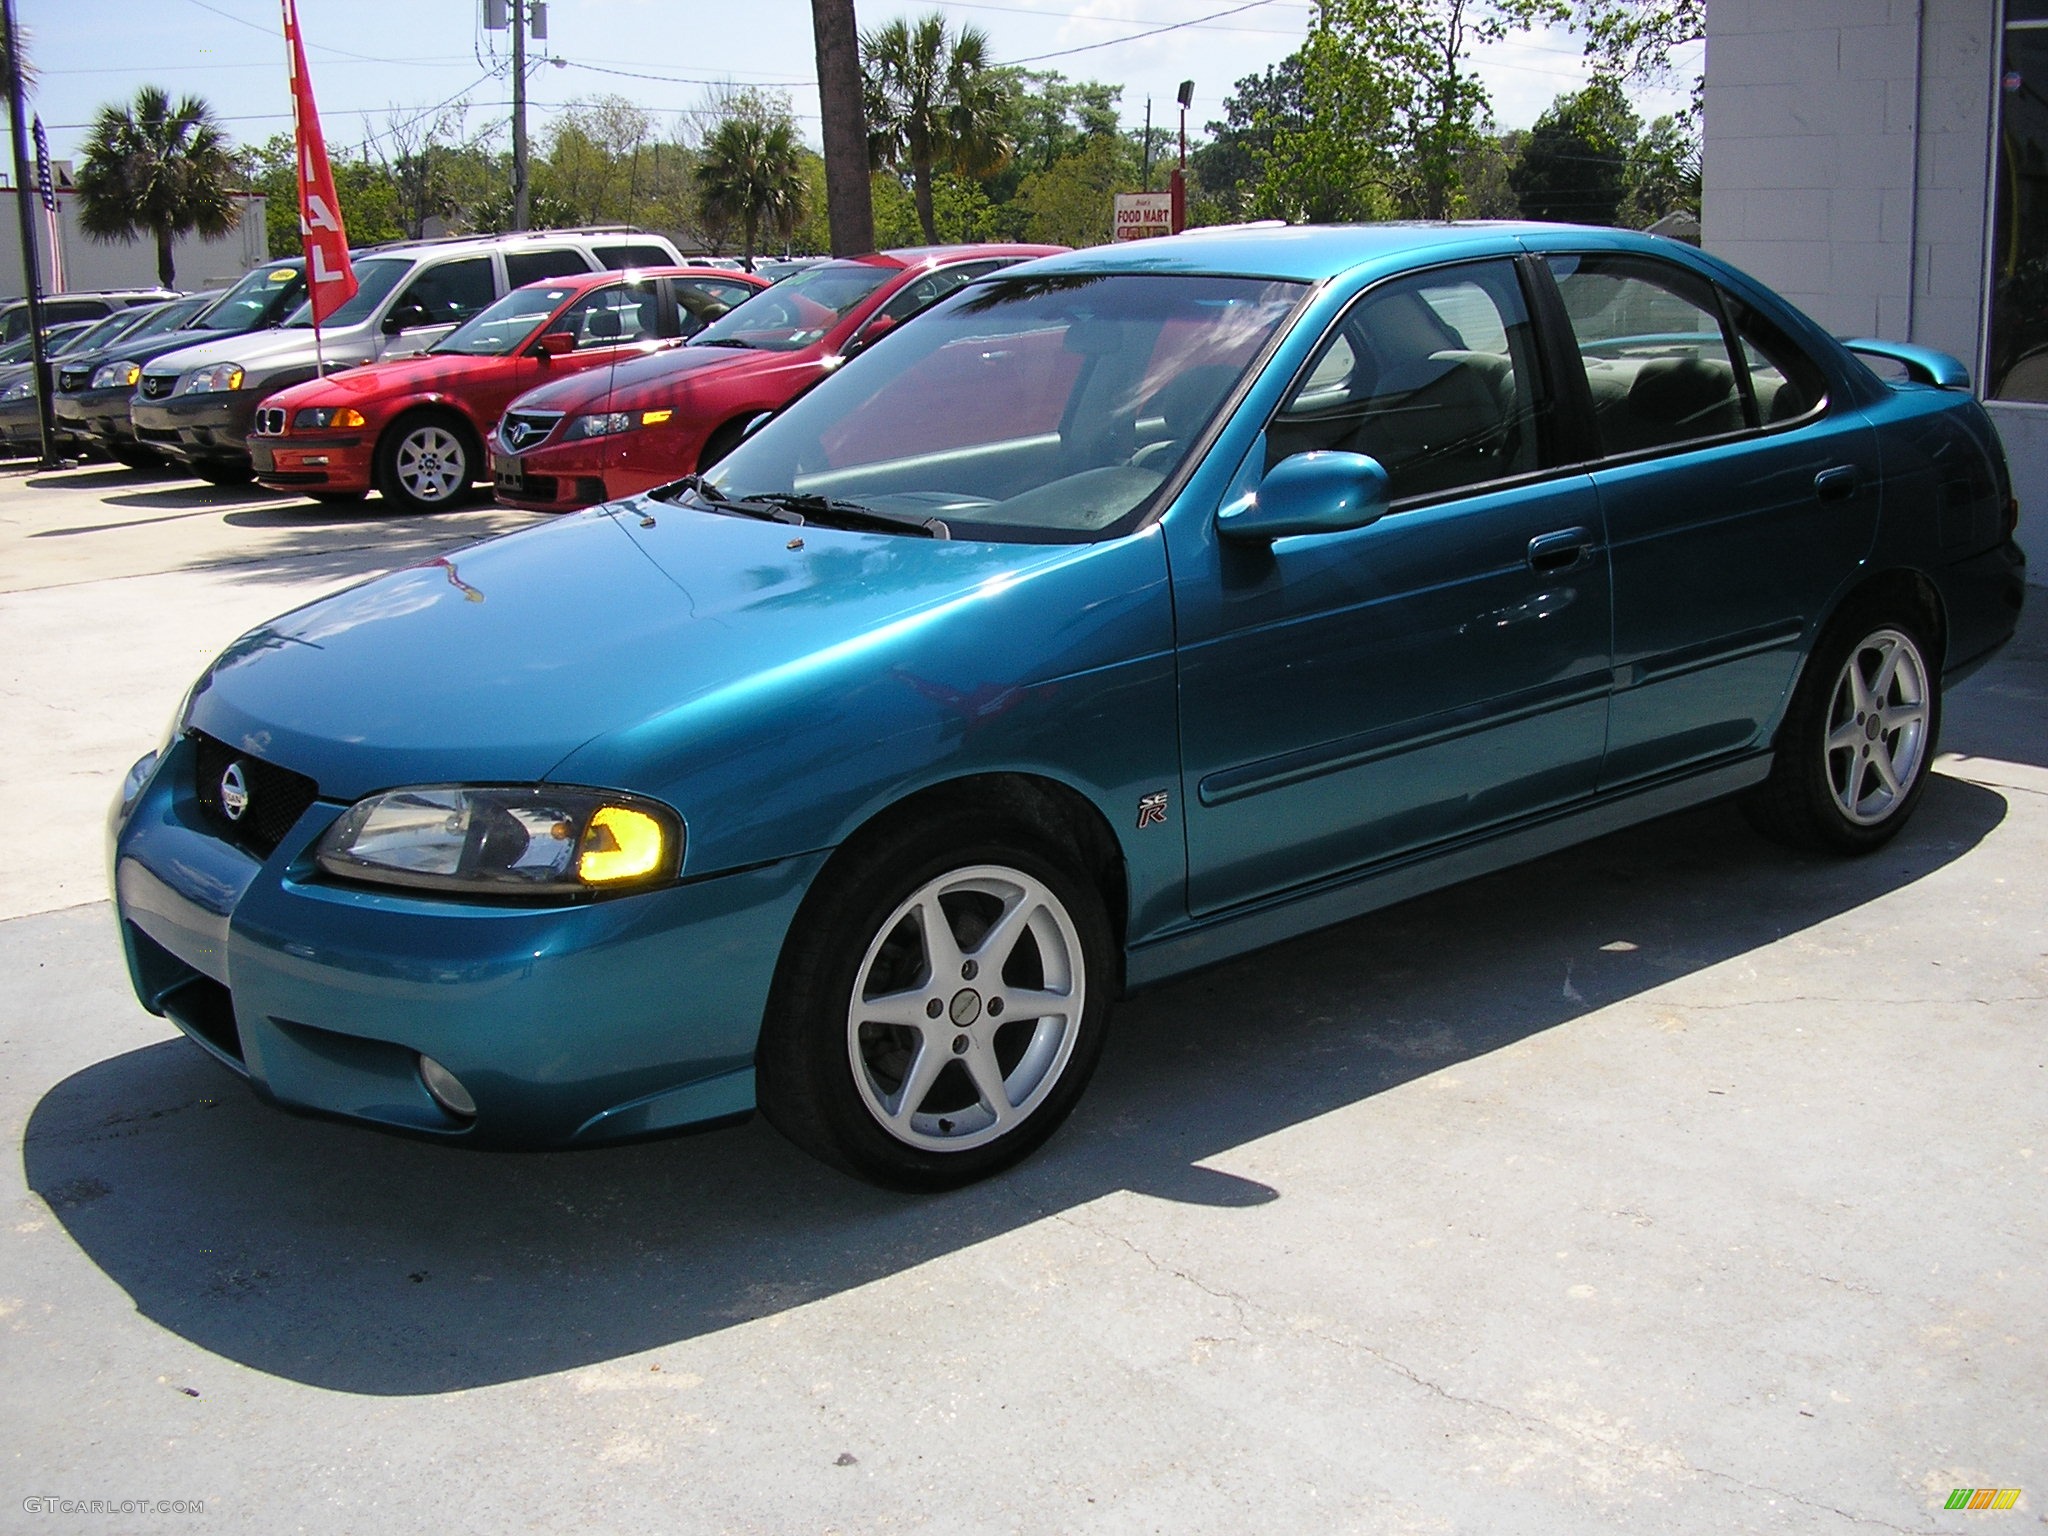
(1123, 613)
(568, 367)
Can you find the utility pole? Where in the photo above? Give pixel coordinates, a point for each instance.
(519, 199)
(1145, 165)
(31, 264)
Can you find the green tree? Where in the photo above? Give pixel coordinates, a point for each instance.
(752, 172)
(933, 104)
(1662, 175)
(1392, 111)
(159, 168)
(369, 198)
(1231, 164)
(1071, 202)
(1574, 164)
(961, 212)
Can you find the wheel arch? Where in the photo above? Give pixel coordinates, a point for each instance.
(1059, 820)
(435, 406)
(1901, 586)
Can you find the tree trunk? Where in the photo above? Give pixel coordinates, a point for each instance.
(166, 269)
(749, 230)
(921, 193)
(848, 200)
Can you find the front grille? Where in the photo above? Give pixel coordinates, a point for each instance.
(270, 421)
(277, 796)
(72, 380)
(157, 434)
(155, 386)
(522, 430)
(540, 488)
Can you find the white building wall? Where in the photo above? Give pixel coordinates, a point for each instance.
(88, 264)
(1848, 162)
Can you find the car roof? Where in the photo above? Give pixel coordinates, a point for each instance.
(1311, 252)
(582, 282)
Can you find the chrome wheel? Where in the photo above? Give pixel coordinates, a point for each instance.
(965, 1008)
(431, 464)
(1877, 727)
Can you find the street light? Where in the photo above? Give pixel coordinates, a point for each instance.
(1178, 184)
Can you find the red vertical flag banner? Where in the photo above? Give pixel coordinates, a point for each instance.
(330, 280)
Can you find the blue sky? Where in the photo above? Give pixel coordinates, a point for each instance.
(373, 60)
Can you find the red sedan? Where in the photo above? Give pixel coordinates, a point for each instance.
(573, 442)
(414, 428)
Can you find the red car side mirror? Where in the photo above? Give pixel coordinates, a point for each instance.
(555, 344)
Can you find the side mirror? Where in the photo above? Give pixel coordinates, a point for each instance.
(555, 344)
(1319, 492)
(405, 317)
(871, 333)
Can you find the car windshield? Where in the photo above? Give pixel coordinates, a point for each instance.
(99, 334)
(798, 310)
(498, 331)
(1030, 409)
(262, 298)
(169, 317)
(375, 278)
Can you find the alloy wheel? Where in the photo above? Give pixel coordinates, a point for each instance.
(1876, 740)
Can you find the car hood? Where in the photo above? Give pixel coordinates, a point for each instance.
(657, 368)
(405, 375)
(497, 662)
(252, 349)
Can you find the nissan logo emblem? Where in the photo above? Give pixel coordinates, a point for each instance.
(234, 794)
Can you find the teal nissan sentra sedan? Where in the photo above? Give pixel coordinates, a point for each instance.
(1127, 611)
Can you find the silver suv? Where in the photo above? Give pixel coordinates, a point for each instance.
(197, 404)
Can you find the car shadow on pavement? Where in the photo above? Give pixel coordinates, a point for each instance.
(358, 1262)
(108, 477)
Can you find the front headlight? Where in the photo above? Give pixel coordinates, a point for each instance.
(601, 426)
(211, 381)
(511, 841)
(117, 376)
(314, 418)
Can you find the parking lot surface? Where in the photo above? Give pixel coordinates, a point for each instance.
(1676, 1183)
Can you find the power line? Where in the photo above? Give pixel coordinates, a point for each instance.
(1061, 53)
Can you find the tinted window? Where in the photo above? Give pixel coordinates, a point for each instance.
(917, 297)
(1432, 375)
(612, 317)
(523, 267)
(1655, 355)
(448, 293)
(620, 257)
(57, 311)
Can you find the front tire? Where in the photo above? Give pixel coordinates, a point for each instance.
(940, 1007)
(1855, 747)
(425, 463)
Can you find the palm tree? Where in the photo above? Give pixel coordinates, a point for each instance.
(849, 205)
(933, 103)
(160, 168)
(752, 171)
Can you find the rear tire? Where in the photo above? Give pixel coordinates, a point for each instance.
(940, 1006)
(1854, 750)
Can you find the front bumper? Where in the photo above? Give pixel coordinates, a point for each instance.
(210, 428)
(99, 416)
(569, 1026)
(339, 463)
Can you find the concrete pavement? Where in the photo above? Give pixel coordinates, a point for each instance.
(1673, 1184)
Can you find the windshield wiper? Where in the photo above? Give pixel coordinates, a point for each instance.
(834, 513)
(722, 341)
(800, 510)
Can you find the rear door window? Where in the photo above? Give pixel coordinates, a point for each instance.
(1657, 358)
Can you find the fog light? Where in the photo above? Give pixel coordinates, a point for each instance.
(447, 1091)
(315, 458)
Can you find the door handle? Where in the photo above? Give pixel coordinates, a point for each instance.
(1551, 553)
(1837, 484)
